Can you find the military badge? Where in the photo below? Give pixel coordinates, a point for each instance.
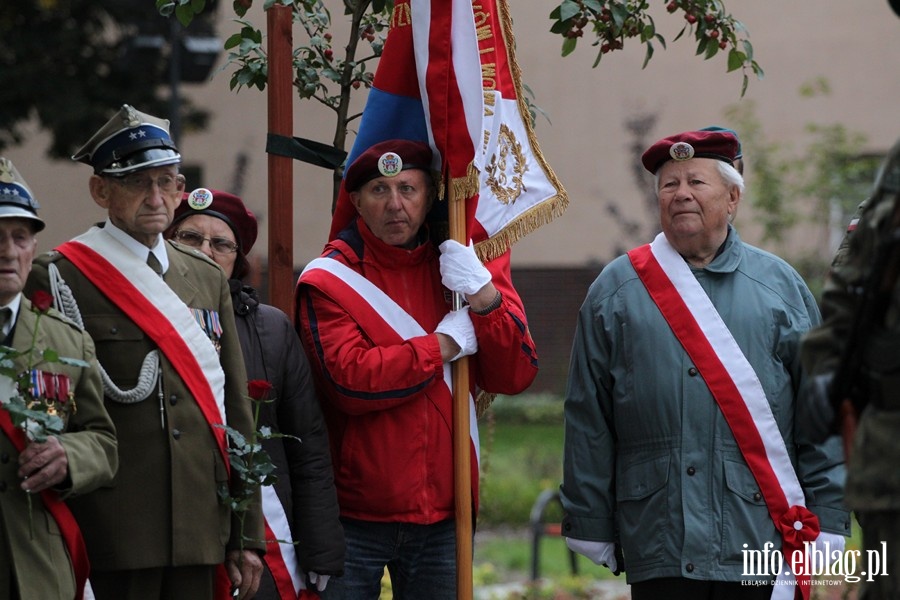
(52, 386)
(681, 151)
(390, 164)
(209, 322)
(200, 199)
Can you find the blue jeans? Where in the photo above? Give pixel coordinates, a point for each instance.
(421, 560)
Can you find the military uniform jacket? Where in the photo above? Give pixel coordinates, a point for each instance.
(41, 566)
(162, 509)
(873, 479)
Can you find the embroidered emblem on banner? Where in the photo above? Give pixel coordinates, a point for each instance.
(507, 168)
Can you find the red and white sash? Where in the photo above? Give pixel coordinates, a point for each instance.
(145, 298)
(280, 557)
(382, 312)
(737, 390)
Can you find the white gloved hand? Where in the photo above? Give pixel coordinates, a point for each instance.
(457, 324)
(320, 581)
(835, 541)
(602, 553)
(461, 270)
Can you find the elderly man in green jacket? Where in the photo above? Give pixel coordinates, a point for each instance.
(42, 553)
(680, 434)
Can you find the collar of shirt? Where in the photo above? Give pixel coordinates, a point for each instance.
(139, 249)
(14, 314)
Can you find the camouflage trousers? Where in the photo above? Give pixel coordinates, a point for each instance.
(881, 535)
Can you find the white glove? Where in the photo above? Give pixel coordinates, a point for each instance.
(602, 553)
(835, 547)
(320, 581)
(457, 324)
(461, 271)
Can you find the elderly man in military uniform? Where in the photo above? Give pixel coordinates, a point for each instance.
(161, 317)
(41, 550)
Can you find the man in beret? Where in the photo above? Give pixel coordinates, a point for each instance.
(680, 443)
(374, 314)
(41, 549)
(162, 320)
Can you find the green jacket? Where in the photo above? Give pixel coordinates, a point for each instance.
(162, 509)
(649, 458)
(41, 565)
(873, 479)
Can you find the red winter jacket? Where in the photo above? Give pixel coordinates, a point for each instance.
(389, 414)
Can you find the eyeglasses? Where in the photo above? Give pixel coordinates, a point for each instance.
(195, 239)
(137, 182)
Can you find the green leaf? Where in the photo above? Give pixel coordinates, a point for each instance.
(234, 40)
(701, 45)
(185, 14)
(712, 46)
(559, 27)
(568, 46)
(648, 55)
(619, 14)
(50, 355)
(593, 5)
(735, 60)
(757, 69)
(568, 9)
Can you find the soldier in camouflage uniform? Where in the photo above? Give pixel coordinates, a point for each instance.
(873, 476)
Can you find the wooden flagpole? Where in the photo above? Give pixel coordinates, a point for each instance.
(462, 456)
(281, 181)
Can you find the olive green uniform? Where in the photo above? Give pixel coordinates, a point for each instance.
(162, 510)
(873, 475)
(39, 566)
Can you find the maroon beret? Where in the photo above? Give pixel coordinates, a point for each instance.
(221, 205)
(720, 145)
(387, 159)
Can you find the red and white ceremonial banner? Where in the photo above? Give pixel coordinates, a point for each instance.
(738, 392)
(448, 76)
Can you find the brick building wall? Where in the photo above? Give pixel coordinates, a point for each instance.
(552, 298)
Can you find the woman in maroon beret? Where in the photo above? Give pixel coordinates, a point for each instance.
(218, 224)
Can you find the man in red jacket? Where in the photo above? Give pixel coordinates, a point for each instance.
(375, 317)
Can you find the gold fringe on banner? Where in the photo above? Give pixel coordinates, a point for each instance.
(464, 188)
(523, 224)
(483, 402)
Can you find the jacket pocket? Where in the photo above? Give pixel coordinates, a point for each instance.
(643, 509)
(745, 517)
(121, 346)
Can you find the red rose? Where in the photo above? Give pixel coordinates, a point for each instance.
(259, 389)
(41, 300)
